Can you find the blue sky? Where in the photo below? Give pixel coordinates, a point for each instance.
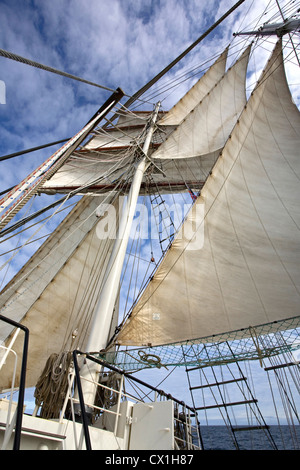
(114, 43)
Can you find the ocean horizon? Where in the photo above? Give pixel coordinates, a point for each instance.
(219, 437)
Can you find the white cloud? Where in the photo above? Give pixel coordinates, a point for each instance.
(114, 43)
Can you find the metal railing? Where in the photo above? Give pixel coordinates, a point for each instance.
(185, 433)
(16, 421)
(183, 419)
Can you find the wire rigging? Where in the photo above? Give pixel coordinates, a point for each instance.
(18, 58)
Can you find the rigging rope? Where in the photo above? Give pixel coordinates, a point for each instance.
(18, 58)
(52, 385)
(33, 149)
(148, 85)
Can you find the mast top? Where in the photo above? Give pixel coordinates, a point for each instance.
(278, 29)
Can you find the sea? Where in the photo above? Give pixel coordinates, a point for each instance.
(282, 438)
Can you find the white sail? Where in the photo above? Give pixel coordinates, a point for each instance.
(247, 271)
(196, 94)
(207, 126)
(102, 161)
(55, 292)
(109, 152)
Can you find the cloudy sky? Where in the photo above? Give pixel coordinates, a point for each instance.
(115, 43)
(120, 43)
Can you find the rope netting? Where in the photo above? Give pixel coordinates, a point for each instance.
(250, 343)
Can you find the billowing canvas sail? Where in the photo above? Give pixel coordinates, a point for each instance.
(60, 285)
(105, 160)
(240, 266)
(206, 128)
(196, 94)
(55, 292)
(108, 155)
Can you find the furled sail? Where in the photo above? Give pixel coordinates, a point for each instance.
(240, 266)
(55, 292)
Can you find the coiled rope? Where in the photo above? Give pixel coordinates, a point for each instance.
(52, 386)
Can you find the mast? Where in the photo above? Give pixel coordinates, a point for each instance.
(102, 318)
(15, 199)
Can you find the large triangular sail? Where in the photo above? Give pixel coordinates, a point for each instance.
(196, 94)
(182, 248)
(206, 128)
(54, 294)
(245, 269)
(111, 150)
(102, 165)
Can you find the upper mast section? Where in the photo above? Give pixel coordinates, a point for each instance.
(275, 29)
(280, 29)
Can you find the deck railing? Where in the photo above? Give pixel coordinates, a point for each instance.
(184, 439)
(16, 421)
(189, 432)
